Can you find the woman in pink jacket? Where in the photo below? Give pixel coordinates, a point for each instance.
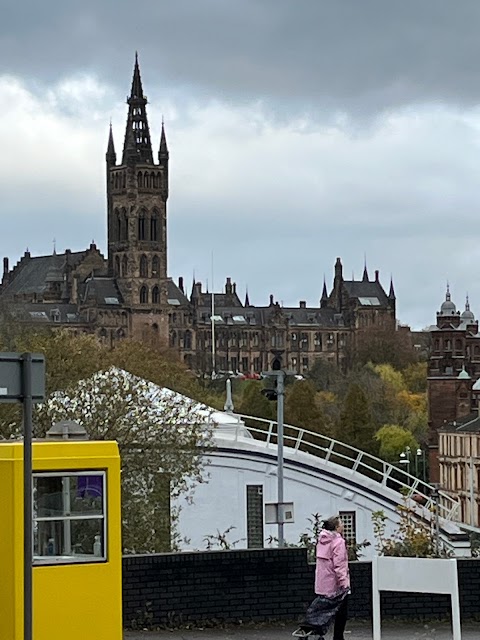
(332, 584)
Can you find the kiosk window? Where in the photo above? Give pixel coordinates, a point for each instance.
(69, 517)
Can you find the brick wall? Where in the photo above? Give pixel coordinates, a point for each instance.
(261, 585)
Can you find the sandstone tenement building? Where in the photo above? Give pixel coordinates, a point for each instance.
(129, 294)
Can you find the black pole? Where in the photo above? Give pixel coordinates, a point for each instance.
(27, 494)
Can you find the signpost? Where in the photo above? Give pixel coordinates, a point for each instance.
(22, 379)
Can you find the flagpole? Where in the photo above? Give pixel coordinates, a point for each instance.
(213, 324)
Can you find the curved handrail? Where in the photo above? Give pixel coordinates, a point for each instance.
(330, 450)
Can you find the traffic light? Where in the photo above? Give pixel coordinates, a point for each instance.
(270, 394)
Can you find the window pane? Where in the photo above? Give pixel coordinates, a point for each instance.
(56, 496)
(69, 539)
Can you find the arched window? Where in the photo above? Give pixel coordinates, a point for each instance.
(117, 229)
(155, 266)
(154, 225)
(140, 180)
(187, 340)
(124, 266)
(116, 181)
(476, 351)
(124, 225)
(141, 225)
(152, 179)
(124, 179)
(157, 181)
(173, 338)
(458, 345)
(143, 295)
(117, 265)
(147, 181)
(143, 267)
(155, 295)
(437, 345)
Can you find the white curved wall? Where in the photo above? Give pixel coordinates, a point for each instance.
(313, 485)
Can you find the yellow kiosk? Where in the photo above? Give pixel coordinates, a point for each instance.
(77, 554)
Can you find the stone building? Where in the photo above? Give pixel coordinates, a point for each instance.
(453, 369)
(248, 338)
(459, 465)
(128, 293)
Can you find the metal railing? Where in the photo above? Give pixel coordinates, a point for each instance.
(385, 474)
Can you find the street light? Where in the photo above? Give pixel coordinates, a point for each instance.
(405, 458)
(421, 454)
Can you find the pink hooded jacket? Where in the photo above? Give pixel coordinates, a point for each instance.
(332, 574)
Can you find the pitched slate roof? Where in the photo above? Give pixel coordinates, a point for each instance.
(362, 289)
(103, 291)
(32, 274)
(469, 424)
(175, 293)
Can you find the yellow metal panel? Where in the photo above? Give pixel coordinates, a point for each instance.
(77, 601)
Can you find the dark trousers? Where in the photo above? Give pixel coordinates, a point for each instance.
(341, 620)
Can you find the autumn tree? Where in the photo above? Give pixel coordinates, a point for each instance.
(160, 434)
(393, 440)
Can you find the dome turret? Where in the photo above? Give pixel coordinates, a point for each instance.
(448, 308)
(467, 315)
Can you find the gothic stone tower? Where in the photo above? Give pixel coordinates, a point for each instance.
(137, 192)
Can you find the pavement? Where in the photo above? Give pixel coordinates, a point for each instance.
(355, 631)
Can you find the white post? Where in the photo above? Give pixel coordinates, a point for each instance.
(456, 626)
(377, 628)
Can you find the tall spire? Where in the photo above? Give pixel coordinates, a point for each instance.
(137, 146)
(365, 270)
(324, 297)
(247, 299)
(391, 293)
(111, 156)
(163, 154)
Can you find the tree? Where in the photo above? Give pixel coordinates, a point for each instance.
(301, 409)
(160, 435)
(415, 376)
(384, 346)
(394, 440)
(356, 426)
(325, 375)
(254, 403)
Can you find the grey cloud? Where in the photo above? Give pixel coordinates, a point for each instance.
(316, 55)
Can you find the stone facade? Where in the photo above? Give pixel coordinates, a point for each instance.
(128, 293)
(459, 466)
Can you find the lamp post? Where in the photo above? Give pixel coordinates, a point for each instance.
(405, 458)
(421, 455)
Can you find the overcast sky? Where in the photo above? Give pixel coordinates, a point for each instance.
(299, 131)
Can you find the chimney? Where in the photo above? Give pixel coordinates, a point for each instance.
(74, 292)
(303, 304)
(228, 286)
(377, 274)
(271, 300)
(5, 267)
(180, 284)
(234, 288)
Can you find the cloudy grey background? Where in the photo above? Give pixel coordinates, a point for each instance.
(299, 131)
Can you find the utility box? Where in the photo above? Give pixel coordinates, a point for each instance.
(77, 553)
